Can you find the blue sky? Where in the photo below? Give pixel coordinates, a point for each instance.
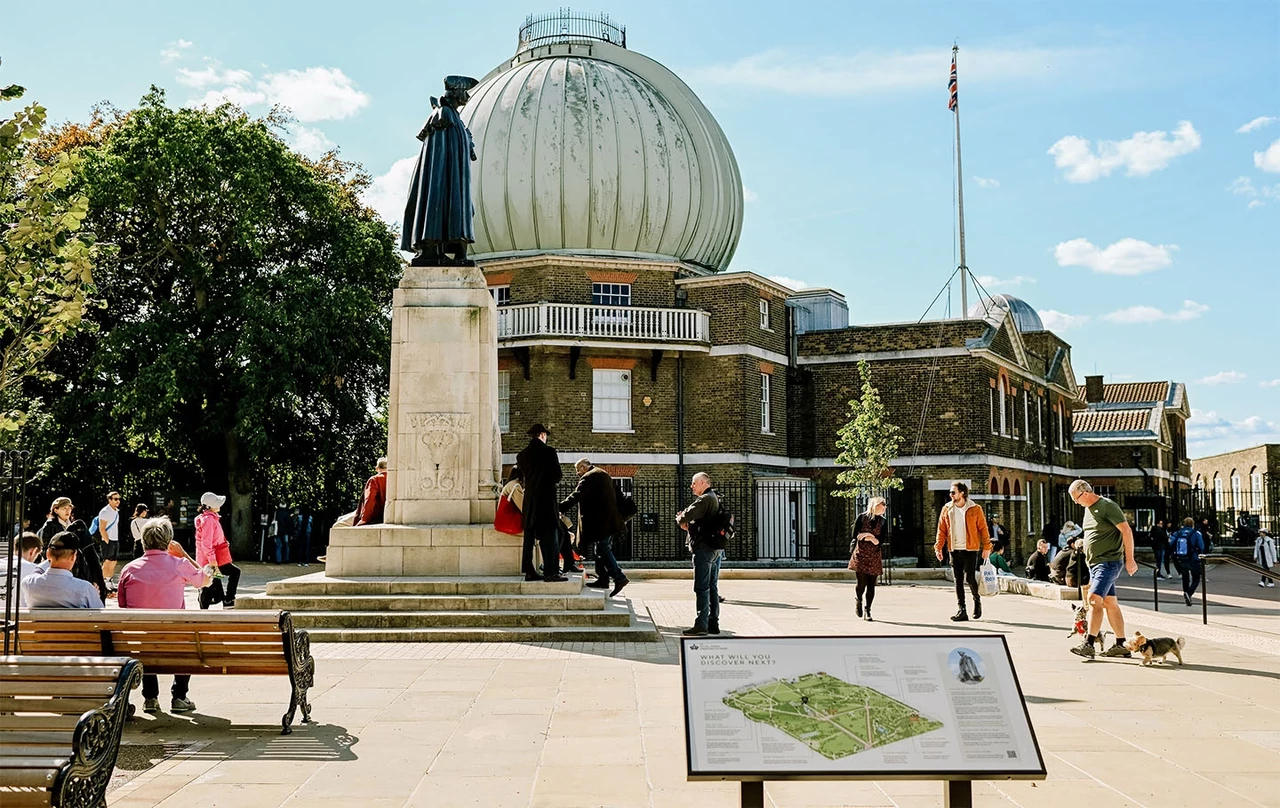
(1121, 160)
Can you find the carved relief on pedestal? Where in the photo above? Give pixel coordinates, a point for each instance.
(437, 466)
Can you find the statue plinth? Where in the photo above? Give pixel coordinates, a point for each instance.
(444, 448)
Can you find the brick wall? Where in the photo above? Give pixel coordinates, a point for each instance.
(735, 314)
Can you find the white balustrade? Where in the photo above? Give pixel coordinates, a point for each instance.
(578, 321)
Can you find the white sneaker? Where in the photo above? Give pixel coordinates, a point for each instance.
(182, 705)
(1271, 584)
(1262, 583)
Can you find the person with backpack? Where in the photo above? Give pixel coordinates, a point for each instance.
(870, 529)
(703, 520)
(1187, 544)
(599, 522)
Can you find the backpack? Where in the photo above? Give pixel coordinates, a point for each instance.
(95, 524)
(716, 530)
(1180, 543)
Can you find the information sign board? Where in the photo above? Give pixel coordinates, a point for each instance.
(942, 706)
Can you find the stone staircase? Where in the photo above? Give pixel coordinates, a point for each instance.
(452, 609)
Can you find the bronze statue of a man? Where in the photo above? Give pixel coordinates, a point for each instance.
(437, 217)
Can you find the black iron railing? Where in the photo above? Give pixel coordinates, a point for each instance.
(13, 489)
(1227, 559)
(566, 26)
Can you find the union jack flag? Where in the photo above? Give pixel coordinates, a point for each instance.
(951, 86)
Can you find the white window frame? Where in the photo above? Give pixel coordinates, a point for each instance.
(1040, 419)
(611, 400)
(1255, 486)
(504, 401)
(1026, 418)
(1217, 493)
(766, 385)
(1004, 410)
(501, 294)
(1062, 443)
(764, 314)
(1041, 504)
(1237, 491)
(993, 411)
(610, 294)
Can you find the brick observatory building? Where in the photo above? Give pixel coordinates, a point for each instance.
(608, 208)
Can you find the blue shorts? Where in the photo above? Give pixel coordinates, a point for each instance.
(1103, 577)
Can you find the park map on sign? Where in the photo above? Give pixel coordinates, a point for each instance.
(830, 716)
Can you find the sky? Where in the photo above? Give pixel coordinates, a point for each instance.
(1121, 161)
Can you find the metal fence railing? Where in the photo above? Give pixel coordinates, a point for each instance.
(13, 482)
(782, 519)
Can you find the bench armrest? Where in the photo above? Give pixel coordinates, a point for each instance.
(95, 745)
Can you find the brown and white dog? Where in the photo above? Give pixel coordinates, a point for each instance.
(1155, 649)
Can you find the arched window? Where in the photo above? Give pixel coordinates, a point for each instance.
(1255, 490)
(1005, 490)
(1217, 492)
(1004, 412)
(1237, 494)
(994, 488)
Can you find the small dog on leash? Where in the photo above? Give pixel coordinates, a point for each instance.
(1156, 649)
(1081, 626)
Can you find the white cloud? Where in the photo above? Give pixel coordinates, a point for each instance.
(1225, 377)
(173, 51)
(1269, 160)
(213, 75)
(1272, 383)
(986, 182)
(1243, 186)
(1257, 123)
(1148, 314)
(992, 282)
(1206, 427)
(842, 76)
(790, 283)
(1140, 155)
(1128, 256)
(749, 195)
(1057, 321)
(389, 192)
(311, 142)
(313, 94)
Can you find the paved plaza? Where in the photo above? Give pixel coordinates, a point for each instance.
(601, 724)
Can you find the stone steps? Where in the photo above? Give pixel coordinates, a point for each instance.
(636, 633)
(452, 609)
(318, 584)
(436, 619)
(585, 602)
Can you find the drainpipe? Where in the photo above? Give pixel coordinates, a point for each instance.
(1137, 464)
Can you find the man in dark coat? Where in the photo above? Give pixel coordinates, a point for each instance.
(540, 465)
(598, 522)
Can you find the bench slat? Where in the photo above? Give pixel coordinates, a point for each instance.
(46, 672)
(61, 722)
(37, 744)
(66, 706)
(25, 798)
(178, 624)
(43, 762)
(44, 687)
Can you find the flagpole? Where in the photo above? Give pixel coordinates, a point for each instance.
(964, 267)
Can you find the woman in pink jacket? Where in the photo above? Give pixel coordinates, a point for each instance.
(212, 549)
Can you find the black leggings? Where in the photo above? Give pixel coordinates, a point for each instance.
(964, 564)
(210, 594)
(866, 584)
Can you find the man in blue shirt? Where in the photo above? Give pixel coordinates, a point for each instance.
(57, 588)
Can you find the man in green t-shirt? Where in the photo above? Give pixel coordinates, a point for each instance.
(1108, 548)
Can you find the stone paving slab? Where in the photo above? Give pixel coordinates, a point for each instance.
(601, 724)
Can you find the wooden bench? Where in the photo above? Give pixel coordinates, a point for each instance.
(239, 642)
(61, 718)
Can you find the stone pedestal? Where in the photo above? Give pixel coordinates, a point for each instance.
(444, 449)
(420, 551)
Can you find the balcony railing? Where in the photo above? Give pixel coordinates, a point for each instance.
(575, 321)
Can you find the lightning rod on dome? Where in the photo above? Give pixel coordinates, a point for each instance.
(953, 104)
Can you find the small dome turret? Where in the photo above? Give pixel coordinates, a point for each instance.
(1026, 318)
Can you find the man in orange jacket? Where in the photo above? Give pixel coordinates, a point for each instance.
(962, 529)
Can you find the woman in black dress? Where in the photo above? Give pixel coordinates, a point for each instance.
(869, 529)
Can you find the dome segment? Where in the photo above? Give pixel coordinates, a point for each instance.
(590, 148)
(1024, 316)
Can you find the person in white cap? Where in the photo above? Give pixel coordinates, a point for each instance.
(212, 549)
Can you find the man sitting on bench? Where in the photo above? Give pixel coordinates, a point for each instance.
(156, 581)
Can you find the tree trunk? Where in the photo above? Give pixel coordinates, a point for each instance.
(238, 515)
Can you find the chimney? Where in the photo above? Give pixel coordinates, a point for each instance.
(1093, 390)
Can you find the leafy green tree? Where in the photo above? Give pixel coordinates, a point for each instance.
(46, 257)
(868, 444)
(245, 338)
